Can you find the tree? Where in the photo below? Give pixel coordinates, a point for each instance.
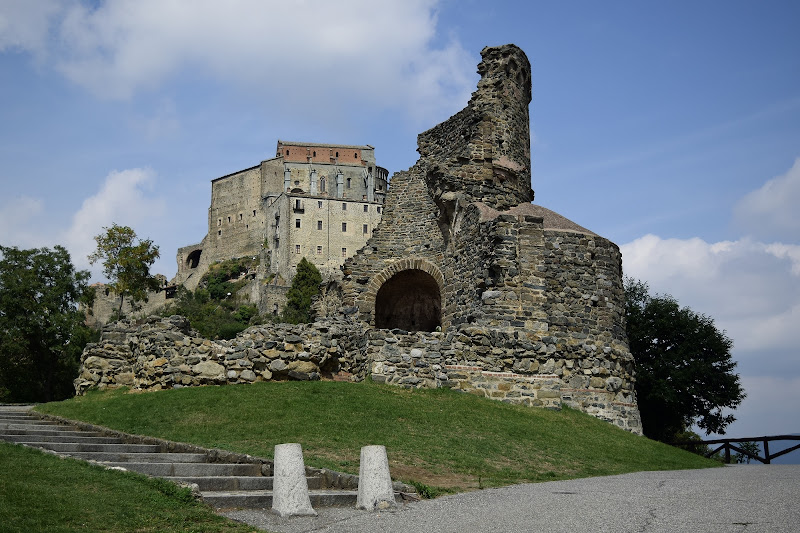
(42, 332)
(126, 263)
(305, 286)
(684, 371)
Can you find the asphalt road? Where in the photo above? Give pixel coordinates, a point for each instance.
(748, 498)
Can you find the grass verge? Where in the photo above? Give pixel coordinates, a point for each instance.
(445, 440)
(42, 492)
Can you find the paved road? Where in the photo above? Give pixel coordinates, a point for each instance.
(748, 498)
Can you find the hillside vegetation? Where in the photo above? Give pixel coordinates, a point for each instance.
(439, 439)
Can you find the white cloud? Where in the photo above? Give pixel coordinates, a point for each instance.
(772, 211)
(315, 54)
(125, 199)
(751, 289)
(24, 25)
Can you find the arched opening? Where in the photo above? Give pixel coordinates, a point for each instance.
(409, 300)
(193, 259)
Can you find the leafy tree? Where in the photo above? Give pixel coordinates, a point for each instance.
(42, 332)
(305, 285)
(126, 263)
(752, 449)
(684, 371)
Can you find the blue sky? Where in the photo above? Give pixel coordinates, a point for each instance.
(671, 128)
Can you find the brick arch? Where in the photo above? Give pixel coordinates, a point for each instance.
(408, 264)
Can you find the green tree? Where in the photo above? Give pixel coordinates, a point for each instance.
(42, 332)
(684, 371)
(126, 263)
(305, 286)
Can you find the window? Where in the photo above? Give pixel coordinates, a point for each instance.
(319, 204)
(229, 220)
(297, 223)
(319, 224)
(219, 232)
(355, 155)
(254, 212)
(319, 250)
(337, 154)
(344, 227)
(344, 207)
(321, 187)
(365, 229)
(240, 216)
(315, 153)
(379, 210)
(219, 222)
(348, 183)
(366, 208)
(297, 248)
(287, 152)
(344, 252)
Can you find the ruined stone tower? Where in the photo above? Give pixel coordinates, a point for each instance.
(510, 298)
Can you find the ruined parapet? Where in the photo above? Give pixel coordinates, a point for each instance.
(483, 152)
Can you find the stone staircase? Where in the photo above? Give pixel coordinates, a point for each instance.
(225, 480)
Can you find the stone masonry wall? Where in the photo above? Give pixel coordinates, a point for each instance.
(156, 353)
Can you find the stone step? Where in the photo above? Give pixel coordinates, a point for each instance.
(32, 424)
(26, 437)
(104, 457)
(190, 469)
(73, 447)
(240, 483)
(262, 499)
(65, 434)
(16, 416)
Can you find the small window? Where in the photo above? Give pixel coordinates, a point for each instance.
(254, 212)
(315, 153)
(355, 155)
(344, 207)
(287, 152)
(219, 232)
(379, 210)
(319, 204)
(337, 154)
(366, 208)
(219, 222)
(348, 183)
(240, 216)
(297, 223)
(365, 229)
(319, 250)
(229, 220)
(321, 187)
(344, 227)
(344, 252)
(319, 224)
(297, 248)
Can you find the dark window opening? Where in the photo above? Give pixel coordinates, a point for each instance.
(193, 259)
(297, 223)
(409, 300)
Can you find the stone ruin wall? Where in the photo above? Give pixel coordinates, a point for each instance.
(165, 353)
(529, 305)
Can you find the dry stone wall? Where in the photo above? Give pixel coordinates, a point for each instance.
(164, 353)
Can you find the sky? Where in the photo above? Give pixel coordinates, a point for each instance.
(670, 128)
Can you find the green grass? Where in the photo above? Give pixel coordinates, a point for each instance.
(41, 492)
(442, 439)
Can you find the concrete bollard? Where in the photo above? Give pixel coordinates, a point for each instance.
(374, 482)
(290, 486)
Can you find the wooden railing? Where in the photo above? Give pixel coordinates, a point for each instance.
(726, 446)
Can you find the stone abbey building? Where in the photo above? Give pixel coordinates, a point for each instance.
(464, 283)
(318, 201)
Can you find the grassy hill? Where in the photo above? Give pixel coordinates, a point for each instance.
(443, 439)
